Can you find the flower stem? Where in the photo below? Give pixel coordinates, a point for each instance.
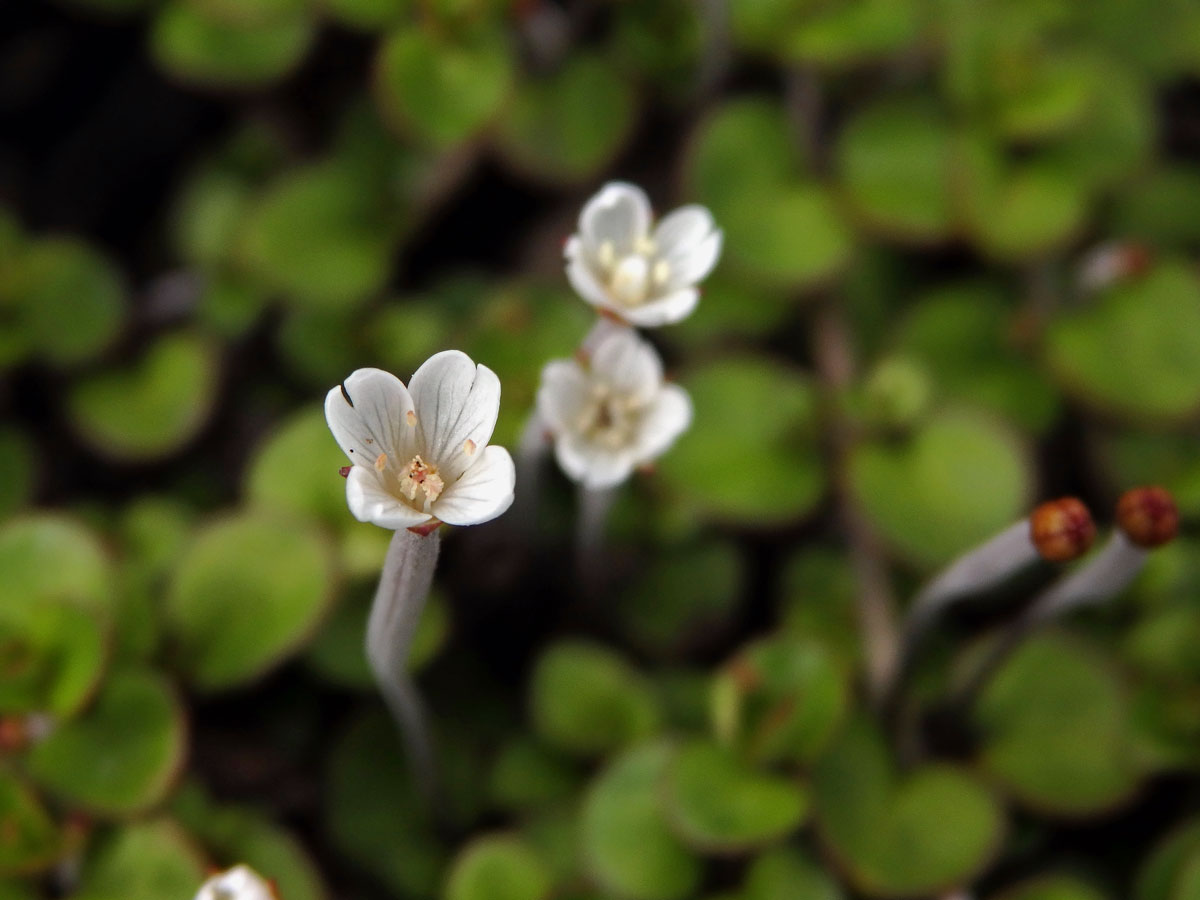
(594, 507)
(395, 613)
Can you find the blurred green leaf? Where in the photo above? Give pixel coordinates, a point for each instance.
(29, 839)
(248, 592)
(368, 15)
(627, 846)
(150, 860)
(123, 753)
(528, 774)
(717, 803)
(443, 88)
(568, 126)
(1162, 874)
(897, 837)
(154, 406)
(1056, 729)
(497, 867)
(1051, 887)
(295, 471)
(586, 700)
(1135, 351)
(786, 874)
(745, 459)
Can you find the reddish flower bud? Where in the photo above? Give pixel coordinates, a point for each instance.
(1062, 529)
(1148, 516)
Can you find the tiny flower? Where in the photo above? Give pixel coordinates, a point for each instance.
(644, 275)
(613, 413)
(1148, 516)
(420, 454)
(1062, 530)
(238, 883)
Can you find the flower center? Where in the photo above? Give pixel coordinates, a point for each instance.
(634, 278)
(421, 483)
(608, 418)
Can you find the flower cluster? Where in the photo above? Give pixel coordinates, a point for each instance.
(608, 410)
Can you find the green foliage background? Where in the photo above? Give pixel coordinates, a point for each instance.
(958, 278)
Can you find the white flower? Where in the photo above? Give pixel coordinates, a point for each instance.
(238, 883)
(646, 277)
(613, 414)
(421, 453)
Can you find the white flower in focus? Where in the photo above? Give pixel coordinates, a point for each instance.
(644, 275)
(238, 883)
(613, 414)
(421, 453)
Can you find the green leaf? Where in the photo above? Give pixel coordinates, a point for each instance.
(744, 459)
(820, 595)
(248, 592)
(959, 479)
(1135, 352)
(1168, 863)
(717, 803)
(1055, 722)
(627, 846)
(443, 87)
(529, 775)
(322, 236)
(787, 874)
(29, 839)
(1051, 887)
(1160, 207)
(586, 700)
(201, 49)
(152, 860)
(208, 217)
(69, 299)
(780, 699)
(497, 867)
(898, 837)
(367, 15)
(569, 126)
(781, 227)
(854, 32)
(123, 754)
(294, 472)
(895, 162)
(375, 817)
(152, 408)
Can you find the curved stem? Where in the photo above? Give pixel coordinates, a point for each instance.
(396, 611)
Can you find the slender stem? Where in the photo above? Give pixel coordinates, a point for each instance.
(395, 614)
(876, 605)
(594, 507)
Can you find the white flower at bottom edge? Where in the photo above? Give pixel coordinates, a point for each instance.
(613, 414)
(421, 453)
(238, 883)
(645, 275)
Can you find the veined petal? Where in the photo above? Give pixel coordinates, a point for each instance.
(663, 421)
(370, 502)
(456, 401)
(591, 465)
(629, 364)
(674, 307)
(586, 284)
(563, 394)
(683, 228)
(367, 415)
(482, 492)
(692, 262)
(619, 214)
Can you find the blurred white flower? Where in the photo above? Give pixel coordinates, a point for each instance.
(421, 453)
(238, 883)
(645, 275)
(614, 412)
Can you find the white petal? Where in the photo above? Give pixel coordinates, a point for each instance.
(562, 395)
(456, 401)
(586, 284)
(664, 420)
(685, 227)
(674, 307)
(619, 214)
(239, 883)
(692, 263)
(591, 465)
(370, 502)
(629, 364)
(484, 490)
(601, 330)
(367, 415)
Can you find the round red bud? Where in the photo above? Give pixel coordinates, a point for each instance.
(1062, 529)
(1148, 516)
